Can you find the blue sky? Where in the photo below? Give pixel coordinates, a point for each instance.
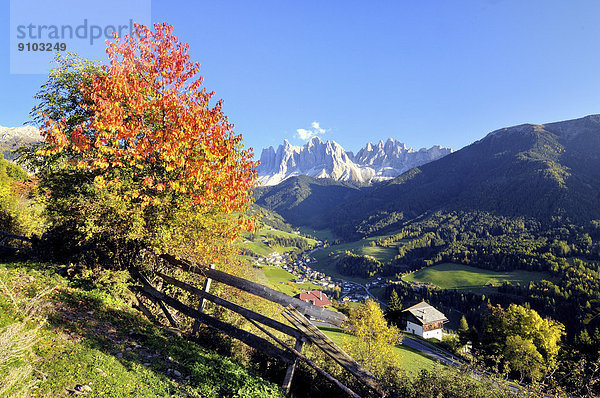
(426, 73)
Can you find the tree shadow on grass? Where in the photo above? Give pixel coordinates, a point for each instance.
(159, 359)
(98, 338)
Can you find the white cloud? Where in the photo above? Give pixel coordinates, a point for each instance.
(315, 130)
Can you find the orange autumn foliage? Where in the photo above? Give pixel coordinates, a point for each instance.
(145, 159)
(152, 121)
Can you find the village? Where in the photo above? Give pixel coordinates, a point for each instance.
(300, 267)
(420, 319)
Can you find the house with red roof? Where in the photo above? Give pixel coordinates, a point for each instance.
(315, 297)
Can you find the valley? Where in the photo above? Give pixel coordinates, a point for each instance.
(518, 228)
(511, 219)
(301, 199)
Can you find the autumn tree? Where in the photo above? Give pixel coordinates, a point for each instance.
(16, 213)
(138, 156)
(375, 340)
(527, 343)
(464, 334)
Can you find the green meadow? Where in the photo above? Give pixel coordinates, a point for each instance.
(281, 280)
(464, 277)
(255, 243)
(328, 257)
(412, 361)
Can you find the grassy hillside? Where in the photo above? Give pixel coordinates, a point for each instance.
(267, 240)
(60, 338)
(269, 218)
(540, 171)
(304, 200)
(328, 257)
(281, 280)
(409, 360)
(465, 278)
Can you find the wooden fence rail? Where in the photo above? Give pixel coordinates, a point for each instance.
(252, 340)
(246, 313)
(302, 330)
(319, 339)
(6, 237)
(332, 317)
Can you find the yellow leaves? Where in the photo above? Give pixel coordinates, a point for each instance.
(374, 338)
(99, 182)
(100, 163)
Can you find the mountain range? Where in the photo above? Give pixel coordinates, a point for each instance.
(328, 159)
(544, 171)
(13, 137)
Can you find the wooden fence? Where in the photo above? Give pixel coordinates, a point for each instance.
(294, 311)
(13, 243)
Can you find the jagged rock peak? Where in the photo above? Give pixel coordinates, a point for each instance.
(329, 160)
(13, 137)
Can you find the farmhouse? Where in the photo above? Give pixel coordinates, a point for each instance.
(314, 297)
(423, 320)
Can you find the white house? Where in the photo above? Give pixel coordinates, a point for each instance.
(423, 320)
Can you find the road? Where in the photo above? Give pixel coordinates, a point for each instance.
(437, 354)
(449, 359)
(358, 285)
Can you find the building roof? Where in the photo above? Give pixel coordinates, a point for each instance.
(315, 297)
(425, 313)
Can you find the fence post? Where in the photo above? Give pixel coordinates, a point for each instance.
(289, 374)
(202, 302)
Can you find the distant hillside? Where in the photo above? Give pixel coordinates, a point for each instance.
(269, 218)
(548, 172)
(304, 200)
(541, 171)
(13, 137)
(373, 163)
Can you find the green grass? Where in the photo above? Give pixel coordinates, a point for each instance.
(87, 333)
(261, 249)
(321, 234)
(328, 257)
(412, 361)
(258, 248)
(281, 280)
(264, 233)
(463, 277)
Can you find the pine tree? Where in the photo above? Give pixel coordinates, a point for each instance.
(463, 326)
(394, 303)
(463, 331)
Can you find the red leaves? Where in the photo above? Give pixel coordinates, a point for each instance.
(152, 121)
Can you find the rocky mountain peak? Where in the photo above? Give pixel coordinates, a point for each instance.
(13, 137)
(330, 160)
